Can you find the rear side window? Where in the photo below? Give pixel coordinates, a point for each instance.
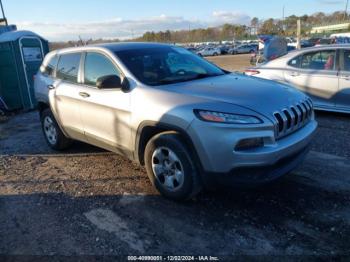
(96, 66)
(322, 60)
(49, 69)
(68, 67)
(295, 62)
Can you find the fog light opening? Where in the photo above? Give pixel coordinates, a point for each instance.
(249, 143)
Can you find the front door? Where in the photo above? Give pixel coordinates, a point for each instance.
(32, 56)
(105, 113)
(315, 73)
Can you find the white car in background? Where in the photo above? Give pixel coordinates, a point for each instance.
(244, 49)
(321, 72)
(209, 51)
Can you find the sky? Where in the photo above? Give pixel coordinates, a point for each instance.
(63, 20)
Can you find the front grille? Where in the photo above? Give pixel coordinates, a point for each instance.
(293, 118)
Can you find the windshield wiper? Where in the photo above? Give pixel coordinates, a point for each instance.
(172, 81)
(200, 76)
(178, 80)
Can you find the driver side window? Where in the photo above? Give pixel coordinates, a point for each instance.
(96, 66)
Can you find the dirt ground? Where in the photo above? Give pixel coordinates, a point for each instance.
(91, 202)
(231, 62)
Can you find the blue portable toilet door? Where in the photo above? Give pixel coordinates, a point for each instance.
(32, 53)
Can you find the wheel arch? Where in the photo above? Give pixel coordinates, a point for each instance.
(149, 129)
(42, 106)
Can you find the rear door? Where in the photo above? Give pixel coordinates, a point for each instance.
(65, 95)
(315, 73)
(343, 95)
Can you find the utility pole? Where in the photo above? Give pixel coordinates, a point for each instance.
(3, 14)
(346, 9)
(299, 34)
(283, 25)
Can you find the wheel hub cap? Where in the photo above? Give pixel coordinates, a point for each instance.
(50, 130)
(167, 168)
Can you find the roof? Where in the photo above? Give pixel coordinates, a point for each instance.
(115, 47)
(324, 47)
(15, 35)
(112, 47)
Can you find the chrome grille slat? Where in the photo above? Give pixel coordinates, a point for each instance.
(306, 111)
(303, 113)
(284, 122)
(291, 119)
(294, 116)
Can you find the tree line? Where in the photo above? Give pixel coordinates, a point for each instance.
(286, 27)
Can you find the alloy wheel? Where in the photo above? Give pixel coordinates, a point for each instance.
(167, 168)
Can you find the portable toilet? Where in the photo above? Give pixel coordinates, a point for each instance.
(21, 54)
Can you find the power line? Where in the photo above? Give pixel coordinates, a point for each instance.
(3, 12)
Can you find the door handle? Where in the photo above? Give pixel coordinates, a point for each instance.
(347, 78)
(84, 94)
(50, 87)
(294, 74)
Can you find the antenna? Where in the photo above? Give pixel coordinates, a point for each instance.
(3, 14)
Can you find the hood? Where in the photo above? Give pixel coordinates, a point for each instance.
(260, 95)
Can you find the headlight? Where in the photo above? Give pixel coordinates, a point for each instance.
(227, 118)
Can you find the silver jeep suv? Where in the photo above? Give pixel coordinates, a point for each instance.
(189, 122)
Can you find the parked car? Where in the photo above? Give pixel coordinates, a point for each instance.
(192, 49)
(313, 41)
(324, 41)
(189, 122)
(209, 51)
(244, 49)
(224, 49)
(323, 73)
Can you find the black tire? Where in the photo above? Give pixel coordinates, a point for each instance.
(191, 184)
(61, 142)
(215, 54)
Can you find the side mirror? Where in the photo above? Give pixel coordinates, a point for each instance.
(108, 82)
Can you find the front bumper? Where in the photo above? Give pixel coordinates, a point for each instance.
(215, 148)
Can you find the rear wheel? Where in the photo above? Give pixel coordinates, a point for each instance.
(52, 132)
(170, 167)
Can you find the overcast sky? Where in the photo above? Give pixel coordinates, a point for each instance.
(67, 19)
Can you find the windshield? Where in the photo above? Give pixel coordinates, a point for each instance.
(166, 65)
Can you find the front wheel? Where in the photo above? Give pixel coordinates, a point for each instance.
(52, 132)
(170, 167)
